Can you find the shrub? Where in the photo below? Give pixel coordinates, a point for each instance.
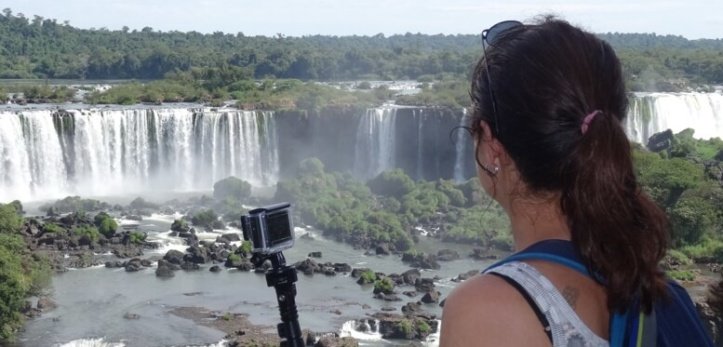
(681, 275)
(52, 228)
(231, 188)
(384, 285)
(91, 232)
(205, 218)
(137, 237)
(368, 276)
(10, 220)
(106, 224)
(179, 225)
(395, 183)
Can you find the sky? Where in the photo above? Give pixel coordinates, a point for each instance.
(692, 19)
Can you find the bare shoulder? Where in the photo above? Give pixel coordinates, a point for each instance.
(486, 311)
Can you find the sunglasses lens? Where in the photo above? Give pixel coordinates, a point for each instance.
(494, 32)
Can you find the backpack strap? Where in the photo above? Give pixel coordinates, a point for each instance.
(629, 328)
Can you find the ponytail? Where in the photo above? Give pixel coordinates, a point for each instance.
(619, 231)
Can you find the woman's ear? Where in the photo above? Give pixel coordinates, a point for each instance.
(494, 153)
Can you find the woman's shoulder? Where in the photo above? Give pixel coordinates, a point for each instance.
(486, 311)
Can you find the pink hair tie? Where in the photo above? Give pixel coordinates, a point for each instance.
(588, 119)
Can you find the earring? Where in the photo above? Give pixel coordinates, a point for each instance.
(492, 172)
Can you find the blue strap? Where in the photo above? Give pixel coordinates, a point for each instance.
(522, 256)
(617, 329)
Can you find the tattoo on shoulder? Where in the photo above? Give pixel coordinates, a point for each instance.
(570, 294)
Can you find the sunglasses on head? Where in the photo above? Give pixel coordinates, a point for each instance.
(489, 37)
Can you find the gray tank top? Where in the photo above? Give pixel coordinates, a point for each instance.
(567, 329)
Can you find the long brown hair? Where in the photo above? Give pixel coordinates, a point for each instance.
(547, 78)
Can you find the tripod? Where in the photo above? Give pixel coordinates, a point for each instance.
(282, 278)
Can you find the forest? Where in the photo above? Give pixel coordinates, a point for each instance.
(41, 48)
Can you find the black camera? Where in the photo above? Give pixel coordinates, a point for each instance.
(269, 228)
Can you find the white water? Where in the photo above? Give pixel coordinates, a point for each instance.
(375, 148)
(651, 113)
(111, 151)
(461, 154)
(99, 342)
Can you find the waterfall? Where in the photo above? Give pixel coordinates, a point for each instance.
(460, 150)
(375, 148)
(650, 113)
(46, 154)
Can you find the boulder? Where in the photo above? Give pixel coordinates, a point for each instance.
(174, 257)
(131, 316)
(308, 266)
(245, 265)
(45, 304)
(113, 264)
(421, 260)
(355, 273)
(411, 308)
(215, 268)
(410, 276)
(382, 249)
(387, 297)
(133, 265)
(314, 255)
(447, 255)
(660, 141)
(431, 297)
(196, 254)
(190, 266)
(342, 267)
(465, 276)
(146, 263)
(336, 341)
(424, 284)
(165, 269)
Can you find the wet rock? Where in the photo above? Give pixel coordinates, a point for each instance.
(387, 297)
(131, 316)
(431, 297)
(421, 260)
(245, 265)
(45, 304)
(336, 341)
(447, 255)
(424, 285)
(133, 265)
(215, 268)
(382, 249)
(308, 266)
(314, 255)
(410, 276)
(113, 264)
(481, 254)
(165, 269)
(146, 263)
(411, 308)
(190, 266)
(410, 293)
(355, 273)
(465, 276)
(196, 254)
(342, 267)
(174, 257)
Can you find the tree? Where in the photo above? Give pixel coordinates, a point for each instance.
(231, 188)
(10, 220)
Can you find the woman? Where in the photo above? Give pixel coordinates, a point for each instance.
(548, 103)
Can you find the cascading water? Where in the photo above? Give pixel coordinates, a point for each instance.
(46, 154)
(460, 149)
(651, 113)
(375, 148)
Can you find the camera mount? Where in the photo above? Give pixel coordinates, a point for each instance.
(282, 278)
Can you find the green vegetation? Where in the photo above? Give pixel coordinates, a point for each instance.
(387, 208)
(89, 232)
(106, 224)
(205, 219)
(231, 188)
(681, 275)
(179, 225)
(74, 204)
(690, 192)
(246, 247)
(423, 327)
(384, 285)
(21, 273)
(137, 237)
(368, 277)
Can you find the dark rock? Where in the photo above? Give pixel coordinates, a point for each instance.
(447, 255)
(424, 285)
(165, 269)
(335, 341)
(308, 266)
(342, 267)
(190, 266)
(328, 270)
(660, 141)
(431, 297)
(131, 316)
(410, 276)
(245, 265)
(465, 276)
(45, 304)
(215, 268)
(355, 273)
(382, 249)
(196, 254)
(146, 263)
(314, 255)
(174, 257)
(387, 297)
(411, 308)
(410, 293)
(421, 260)
(133, 265)
(113, 264)
(480, 254)
(122, 251)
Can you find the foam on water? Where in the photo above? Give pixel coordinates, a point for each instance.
(91, 342)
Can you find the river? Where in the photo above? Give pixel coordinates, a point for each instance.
(92, 302)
